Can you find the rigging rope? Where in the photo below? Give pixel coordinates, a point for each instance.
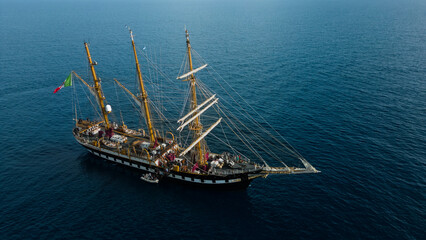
(292, 151)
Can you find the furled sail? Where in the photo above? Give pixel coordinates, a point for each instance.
(135, 98)
(180, 128)
(198, 107)
(200, 137)
(192, 72)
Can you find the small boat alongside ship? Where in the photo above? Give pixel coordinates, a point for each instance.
(150, 178)
(163, 154)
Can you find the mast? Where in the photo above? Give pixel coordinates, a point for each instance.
(97, 87)
(196, 126)
(144, 95)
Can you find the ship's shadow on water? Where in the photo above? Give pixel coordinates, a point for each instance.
(178, 203)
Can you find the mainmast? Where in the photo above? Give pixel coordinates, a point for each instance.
(196, 126)
(97, 87)
(144, 95)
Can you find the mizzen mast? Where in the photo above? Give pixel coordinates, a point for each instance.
(144, 95)
(97, 87)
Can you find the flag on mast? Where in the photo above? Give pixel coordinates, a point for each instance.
(66, 83)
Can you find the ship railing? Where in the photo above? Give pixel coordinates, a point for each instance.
(227, 171)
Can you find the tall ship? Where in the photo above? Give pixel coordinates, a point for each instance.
(182, 152)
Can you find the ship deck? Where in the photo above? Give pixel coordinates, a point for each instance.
(135, 145)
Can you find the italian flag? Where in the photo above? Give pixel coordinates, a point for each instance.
(66, 83)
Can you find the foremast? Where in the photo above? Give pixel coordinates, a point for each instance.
(196, 125)
(97, 87)
(144, 95)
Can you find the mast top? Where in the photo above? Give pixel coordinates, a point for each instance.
(131, 33)
(187, 38)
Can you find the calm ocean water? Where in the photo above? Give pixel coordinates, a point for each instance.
(343, 81)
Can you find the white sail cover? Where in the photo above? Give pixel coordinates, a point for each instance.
(192, 72)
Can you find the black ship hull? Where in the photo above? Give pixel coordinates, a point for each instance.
(224, 181)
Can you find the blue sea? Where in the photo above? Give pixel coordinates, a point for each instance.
(344, 81)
